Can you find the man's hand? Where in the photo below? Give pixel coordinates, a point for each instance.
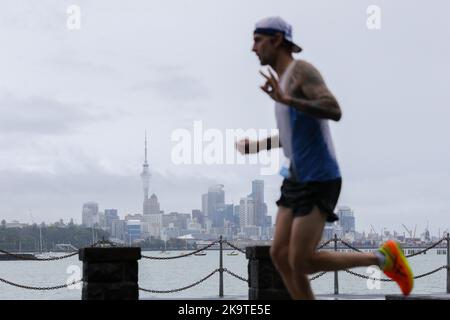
(245, 146)
(272, 88)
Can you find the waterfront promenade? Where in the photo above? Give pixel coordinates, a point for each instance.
(215, 278)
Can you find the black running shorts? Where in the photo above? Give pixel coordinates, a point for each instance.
(301, 197)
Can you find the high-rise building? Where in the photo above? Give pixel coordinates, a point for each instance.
(133, 230)
(222, 213)
(145, 176)
(101, 220)
(229, 213)
(119, 229)
(90, 216)
(247, 212)
(151, 225)
(198, 216)
(153, 205)
(110, 215)
(205, 205)
(260, 206)
(258, 190)
(136, 216)
(177, 220)
(346, 219)
(252, 232)
(236, 216)
(215, 200)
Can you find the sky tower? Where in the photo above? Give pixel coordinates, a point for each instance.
(145, 176)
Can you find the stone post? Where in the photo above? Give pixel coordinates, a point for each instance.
(264, 283)
(110, 273)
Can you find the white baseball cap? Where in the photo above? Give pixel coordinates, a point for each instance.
(272, 25)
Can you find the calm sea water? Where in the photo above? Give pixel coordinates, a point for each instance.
(172, 274)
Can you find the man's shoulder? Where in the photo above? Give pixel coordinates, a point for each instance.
(304, 66)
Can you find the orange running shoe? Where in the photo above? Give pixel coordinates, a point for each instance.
(396, 266)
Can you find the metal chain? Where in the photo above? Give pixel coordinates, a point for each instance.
(426, 249)
(431, 272)
(366, 277)
(243, 251)
(234, 247)
(182, 255)
(56, 258)
(408, 256)
(390, 280)
(325, 244)
(317, 276)
(243, 279)
(235, 275)
(183, 288)
(40, 288)
(34, 258)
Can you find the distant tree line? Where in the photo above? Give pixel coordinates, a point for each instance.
(27, 238)
(171, 244)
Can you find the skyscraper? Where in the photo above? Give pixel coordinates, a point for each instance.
(198, 216)
(119, 229)
(346, 219)
(258, 190)
(205, 205)
(90, 216)
(247, 212)
(133, 230)
(215, 200)
(153, 205)
(260, 207)
(145, 176)
(110, 216)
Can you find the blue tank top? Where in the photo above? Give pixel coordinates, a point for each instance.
(313, 156)
(306, 141)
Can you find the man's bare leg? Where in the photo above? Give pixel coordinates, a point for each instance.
(310, 238)
(304, 257)
(280, 249)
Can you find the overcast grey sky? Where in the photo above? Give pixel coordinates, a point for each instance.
(74, 104)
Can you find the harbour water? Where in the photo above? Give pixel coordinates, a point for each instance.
(177, 273)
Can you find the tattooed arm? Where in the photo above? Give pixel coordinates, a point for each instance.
(319, 101)
(306, 92)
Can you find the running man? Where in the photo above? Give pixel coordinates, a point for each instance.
(312, 181)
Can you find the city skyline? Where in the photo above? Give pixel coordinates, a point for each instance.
(345, 227)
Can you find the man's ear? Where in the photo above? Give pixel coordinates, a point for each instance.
(278, 40)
